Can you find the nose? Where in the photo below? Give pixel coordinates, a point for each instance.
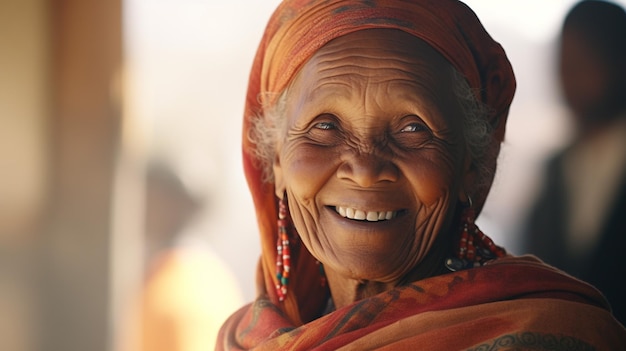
(368, 169)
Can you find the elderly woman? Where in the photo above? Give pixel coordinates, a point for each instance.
(371, 134)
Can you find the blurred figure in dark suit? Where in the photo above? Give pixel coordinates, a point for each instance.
(579, 220)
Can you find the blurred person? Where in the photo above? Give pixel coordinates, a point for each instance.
(371, 134)
(578, 222)
(188, 291)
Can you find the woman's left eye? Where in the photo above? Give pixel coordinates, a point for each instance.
(325, 125)
(414, 133)
(413, 127)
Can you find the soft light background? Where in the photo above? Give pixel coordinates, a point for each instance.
(183, 83)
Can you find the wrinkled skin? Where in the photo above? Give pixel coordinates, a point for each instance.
(373, 125)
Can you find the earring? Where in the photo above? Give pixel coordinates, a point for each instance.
(283, 256)
(474, 247)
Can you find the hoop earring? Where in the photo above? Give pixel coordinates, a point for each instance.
(283, 255)
(474, 248)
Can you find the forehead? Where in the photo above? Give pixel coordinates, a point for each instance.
(376, 64)
(389, 48)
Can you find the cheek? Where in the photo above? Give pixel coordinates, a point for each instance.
(306, 170)
(433, 175)
(434, 178)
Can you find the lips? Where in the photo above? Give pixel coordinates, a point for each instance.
(363, 215)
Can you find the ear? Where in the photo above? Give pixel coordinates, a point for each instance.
(279, 180)
(468, 180)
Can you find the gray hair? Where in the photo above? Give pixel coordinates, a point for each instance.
(266, 130)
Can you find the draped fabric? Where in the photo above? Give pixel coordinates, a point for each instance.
(513, 303)
(296, 30)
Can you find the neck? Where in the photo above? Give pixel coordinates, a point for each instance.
(345, 290)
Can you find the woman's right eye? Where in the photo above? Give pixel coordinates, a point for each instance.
(325, 125)
(325, 130)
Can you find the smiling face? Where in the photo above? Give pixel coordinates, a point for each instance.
(372, 160)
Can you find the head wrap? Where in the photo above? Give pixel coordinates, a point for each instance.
(296, 30)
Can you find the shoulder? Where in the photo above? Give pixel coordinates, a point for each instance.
(551, 324)
(529, 277)
(540, 307)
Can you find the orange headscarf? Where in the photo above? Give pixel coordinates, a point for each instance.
(296, 30)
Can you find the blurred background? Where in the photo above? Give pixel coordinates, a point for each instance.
(124, 213)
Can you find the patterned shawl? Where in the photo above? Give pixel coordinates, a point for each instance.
(513, 303)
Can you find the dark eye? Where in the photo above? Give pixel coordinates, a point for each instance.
(413, 127)
(325, 130)
(325, 125)
(413, 133)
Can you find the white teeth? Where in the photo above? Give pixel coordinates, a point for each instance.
(372, 216)
(350, 213)
(341, 211)
(360, 215)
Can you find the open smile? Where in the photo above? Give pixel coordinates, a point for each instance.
(365, 215)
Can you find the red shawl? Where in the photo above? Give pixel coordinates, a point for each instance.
(509, 304)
